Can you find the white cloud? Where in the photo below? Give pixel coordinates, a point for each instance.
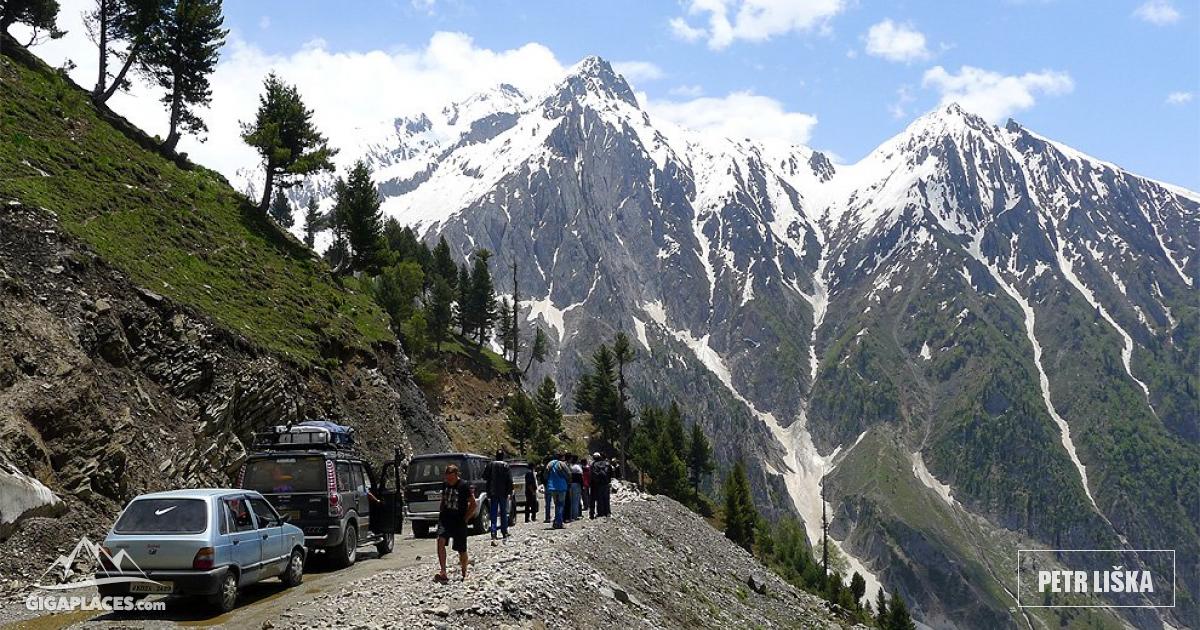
(348, 90)
(686, 91)
(993, 95)
(753, 20)
(737, 115)
(896, 42)
(1179, 98)
(638, 71)
(1157, 12)
(904, 97)
(688, 33)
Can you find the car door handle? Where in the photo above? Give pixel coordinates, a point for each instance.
(264, 536)
(236, 542)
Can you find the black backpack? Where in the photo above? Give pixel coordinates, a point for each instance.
(601, 473)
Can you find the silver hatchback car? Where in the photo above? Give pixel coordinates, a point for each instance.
(207, 542)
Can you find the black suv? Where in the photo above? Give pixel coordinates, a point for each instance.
(423, 486)
(313, 476)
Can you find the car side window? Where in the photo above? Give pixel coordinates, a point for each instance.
(360, 477)
(263, 512)
(239, 514)
(344, 482)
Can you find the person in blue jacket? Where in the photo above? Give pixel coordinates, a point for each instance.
(558, 476)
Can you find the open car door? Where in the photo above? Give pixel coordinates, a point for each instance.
(387, 514)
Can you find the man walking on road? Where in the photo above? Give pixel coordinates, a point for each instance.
(575, 490)
(601, 492)
(531, 492)
(558, 475)
(457, 507)
(498, 477)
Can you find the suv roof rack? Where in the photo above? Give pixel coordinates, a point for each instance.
(318, 435)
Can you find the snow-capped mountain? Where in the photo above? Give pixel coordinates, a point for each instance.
(974, 339)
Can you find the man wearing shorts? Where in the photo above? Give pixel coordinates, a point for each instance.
(457, 507)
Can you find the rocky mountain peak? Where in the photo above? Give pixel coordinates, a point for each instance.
(594, 78)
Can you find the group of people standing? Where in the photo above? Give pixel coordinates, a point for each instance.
(568, 481)
(571, 483)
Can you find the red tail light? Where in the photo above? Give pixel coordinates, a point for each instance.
(335, 507)
(204, 559)
(106, 559)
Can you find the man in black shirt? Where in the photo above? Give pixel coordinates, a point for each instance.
(457, 507)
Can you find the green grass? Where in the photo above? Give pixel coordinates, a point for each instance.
(481, 355)
(184, 234)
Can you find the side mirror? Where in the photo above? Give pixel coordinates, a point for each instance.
(284, 519)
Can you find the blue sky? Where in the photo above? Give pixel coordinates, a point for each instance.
(1118, 80)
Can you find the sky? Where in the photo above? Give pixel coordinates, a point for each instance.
(1119, 80)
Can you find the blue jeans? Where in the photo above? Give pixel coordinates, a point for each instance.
(573, 501)
(560, 499)
(499, 508)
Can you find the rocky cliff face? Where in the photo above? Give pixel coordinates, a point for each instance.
(973, 339)
(108, 390)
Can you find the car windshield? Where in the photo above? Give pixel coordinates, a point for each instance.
(430, 469)
(285, 474)
(163, 516)
(518, 472)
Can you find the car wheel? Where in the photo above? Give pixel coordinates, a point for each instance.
(348, 552)
(385, 546)
(293, 575)
(227, 593)
(420, 529)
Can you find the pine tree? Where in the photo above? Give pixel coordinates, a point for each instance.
(670, 472)
(284, 136)
(404, 244)
(858, 588)
(881, 608)
(440, 311)
(699, 459)
(312, 222)
(514, 334)
(549, 417)
(183, 50)
(132, 22)
(463, 299)
(540, 347)
(396, 290)
(624, 354)
(673, 428)
(645, 442)
(443, 263)
(503, 327)
(39, 15)
(413, 333)
(898, 617)
(358, 212)
(117, 21)
(522, 420)
(482, 301)
(281, 210)
(741, 518)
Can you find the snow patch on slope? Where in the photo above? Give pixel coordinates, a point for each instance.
(925, 477)
(1043, 380)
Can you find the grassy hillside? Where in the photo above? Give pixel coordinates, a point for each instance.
(183, 233)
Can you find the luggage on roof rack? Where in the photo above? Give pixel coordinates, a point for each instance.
(317, 434)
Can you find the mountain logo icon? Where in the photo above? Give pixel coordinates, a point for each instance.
(58, 576)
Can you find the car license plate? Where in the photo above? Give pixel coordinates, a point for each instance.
(152, 587)
(434, 495)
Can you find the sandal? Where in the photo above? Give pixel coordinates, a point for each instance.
(441, 579)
